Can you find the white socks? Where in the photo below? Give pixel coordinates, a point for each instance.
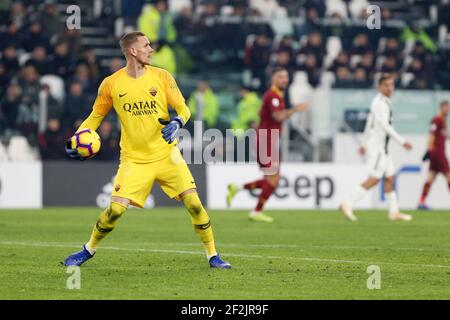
(91, 251)
(210, 256)
(391, 198)
(357, 194)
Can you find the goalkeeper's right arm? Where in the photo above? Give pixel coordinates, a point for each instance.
(92, 122)
(101, 107)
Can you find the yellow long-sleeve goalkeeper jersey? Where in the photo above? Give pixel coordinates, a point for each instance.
(139, 103)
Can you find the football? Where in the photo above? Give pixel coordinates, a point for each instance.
(87, 142)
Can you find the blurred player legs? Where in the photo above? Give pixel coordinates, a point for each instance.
(436, 152)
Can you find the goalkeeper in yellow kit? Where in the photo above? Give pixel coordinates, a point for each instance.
(140, 95)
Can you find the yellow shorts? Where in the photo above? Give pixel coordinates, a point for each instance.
(134, 181)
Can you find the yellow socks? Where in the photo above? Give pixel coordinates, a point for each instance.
(201, 222)
(105, 224)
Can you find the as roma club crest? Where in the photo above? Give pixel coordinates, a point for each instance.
(117, 188)
(153, 91)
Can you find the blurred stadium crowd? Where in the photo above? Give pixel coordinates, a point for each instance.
(49, 74)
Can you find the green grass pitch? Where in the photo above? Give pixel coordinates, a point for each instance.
(155, 254)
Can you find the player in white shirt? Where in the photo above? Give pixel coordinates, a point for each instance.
(377, 134)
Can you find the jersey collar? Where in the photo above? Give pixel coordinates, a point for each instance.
(277, 91)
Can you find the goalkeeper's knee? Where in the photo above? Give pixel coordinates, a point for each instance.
(109, 217)
(195, 208)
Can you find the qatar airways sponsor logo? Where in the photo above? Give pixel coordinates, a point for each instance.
(140, 108)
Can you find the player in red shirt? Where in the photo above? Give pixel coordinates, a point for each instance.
(272, 115)
(436, 151)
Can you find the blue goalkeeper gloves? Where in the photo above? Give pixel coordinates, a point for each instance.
(170, 128)
(72, 153)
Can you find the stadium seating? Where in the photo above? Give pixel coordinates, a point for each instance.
(334, 46)
(357, 6)
(281, 24)
(56, 85)
(24, 57)
(20, 150)
(406, 79)
(223, 61)
(336, 7)
(267, 8)
(176, 6)
(4, 156)
(327, 79)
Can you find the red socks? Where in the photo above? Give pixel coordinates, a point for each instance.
(426, 189)
(266, 192)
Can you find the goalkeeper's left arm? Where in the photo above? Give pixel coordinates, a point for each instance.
(176, 100)
(183, 112)
(172, 126)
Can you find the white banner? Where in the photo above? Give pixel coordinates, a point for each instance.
(302, 185)
(21, 185)
(324, 186)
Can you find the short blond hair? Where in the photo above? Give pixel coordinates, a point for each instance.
(129, 39)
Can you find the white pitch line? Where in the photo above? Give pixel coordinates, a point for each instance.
(251, 256)
(289, 246)
(286, 246)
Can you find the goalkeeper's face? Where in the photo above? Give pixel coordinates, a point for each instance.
(142, 51)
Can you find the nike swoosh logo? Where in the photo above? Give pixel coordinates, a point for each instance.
(121, 95)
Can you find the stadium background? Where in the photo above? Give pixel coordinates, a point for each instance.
(221, 53)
